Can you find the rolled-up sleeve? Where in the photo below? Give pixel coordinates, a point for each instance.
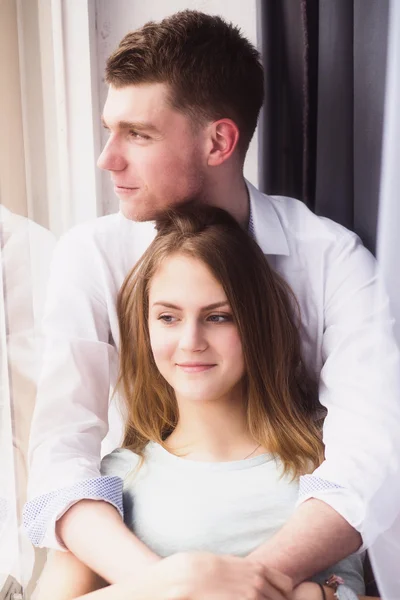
(71, 413)
(360, 388)
(41, 513)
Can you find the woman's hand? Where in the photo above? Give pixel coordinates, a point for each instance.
(205, 576)
(312, 591)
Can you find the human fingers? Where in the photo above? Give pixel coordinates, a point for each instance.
(266, 584)
(279, 581)
(268, 592)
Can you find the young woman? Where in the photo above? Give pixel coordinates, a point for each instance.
(221, 414)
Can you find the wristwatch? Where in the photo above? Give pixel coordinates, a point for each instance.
(341, 590)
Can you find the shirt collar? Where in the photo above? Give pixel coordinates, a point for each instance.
(264, 223)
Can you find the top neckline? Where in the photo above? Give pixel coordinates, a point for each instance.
(156, 451)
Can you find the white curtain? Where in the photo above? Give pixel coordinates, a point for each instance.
(28, 184)
(385, 552)
(8, 501)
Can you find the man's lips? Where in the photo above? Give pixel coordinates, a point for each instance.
(195, 367)
(124, 187)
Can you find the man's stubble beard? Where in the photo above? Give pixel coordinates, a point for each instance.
(195, 196)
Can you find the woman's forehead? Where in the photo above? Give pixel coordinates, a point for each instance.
(184, 279)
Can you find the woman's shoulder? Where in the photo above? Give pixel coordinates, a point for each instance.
(119, 463)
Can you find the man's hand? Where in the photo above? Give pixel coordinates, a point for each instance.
(205, 576)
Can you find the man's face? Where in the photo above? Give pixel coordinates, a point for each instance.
(155, 156)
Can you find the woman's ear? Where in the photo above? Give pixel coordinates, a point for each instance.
(224, 138)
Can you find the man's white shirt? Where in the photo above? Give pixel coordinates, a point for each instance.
(347, 341)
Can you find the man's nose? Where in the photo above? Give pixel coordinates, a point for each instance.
(111, 158)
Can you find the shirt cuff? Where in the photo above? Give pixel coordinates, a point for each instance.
(341, 499)
(41, 514)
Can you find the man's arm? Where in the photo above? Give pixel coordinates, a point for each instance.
(71, 413)
(314, 538)
(71, 419)
(360, 387)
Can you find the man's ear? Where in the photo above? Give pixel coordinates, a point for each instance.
(224, 137)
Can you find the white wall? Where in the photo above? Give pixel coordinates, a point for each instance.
(115, 18)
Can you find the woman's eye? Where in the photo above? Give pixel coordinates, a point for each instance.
(167, 319)
(219, 318)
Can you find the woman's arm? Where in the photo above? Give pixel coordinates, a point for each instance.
(182, 576)
(65, 577)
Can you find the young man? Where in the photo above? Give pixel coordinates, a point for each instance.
(183, 102)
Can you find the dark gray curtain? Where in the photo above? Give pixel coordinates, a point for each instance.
(321, 127)
(322, 122)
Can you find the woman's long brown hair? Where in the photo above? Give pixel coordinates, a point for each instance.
(281, 395)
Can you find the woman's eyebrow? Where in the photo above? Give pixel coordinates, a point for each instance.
(204, 308)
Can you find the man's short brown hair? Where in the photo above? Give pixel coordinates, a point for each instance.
(212, 70)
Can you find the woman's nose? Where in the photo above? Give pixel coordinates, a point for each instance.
(192, 338)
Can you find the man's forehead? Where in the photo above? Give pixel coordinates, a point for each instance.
(141, 103)
(139, 97)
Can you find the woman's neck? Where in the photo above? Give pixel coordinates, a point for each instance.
(212, 431)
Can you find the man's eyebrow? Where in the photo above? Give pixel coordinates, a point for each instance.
(208, 307)
(137, 126)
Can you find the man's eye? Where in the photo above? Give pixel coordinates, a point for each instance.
(138, 136)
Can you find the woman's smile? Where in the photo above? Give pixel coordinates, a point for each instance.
(197, 367)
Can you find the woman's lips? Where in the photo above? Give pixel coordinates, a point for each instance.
(195, 368)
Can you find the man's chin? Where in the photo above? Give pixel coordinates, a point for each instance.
(136, 213)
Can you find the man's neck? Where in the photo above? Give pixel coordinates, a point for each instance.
(230, 193)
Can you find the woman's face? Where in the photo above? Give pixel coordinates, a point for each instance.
(194, 339)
